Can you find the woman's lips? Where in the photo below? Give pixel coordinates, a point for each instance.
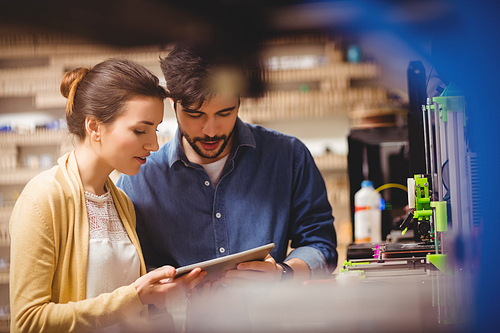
(141, 160)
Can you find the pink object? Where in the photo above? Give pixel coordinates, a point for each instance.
(376, 252)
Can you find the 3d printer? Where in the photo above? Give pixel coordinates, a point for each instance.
(443, 203)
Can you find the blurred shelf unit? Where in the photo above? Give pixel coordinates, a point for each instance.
(31, 150)
(43, 81)
(337, 189)
(5, 212)
(331, 163)
(5, 318)
(383, 116)
(4, 274)
(22, 156)
(32, 63)
(308, 77)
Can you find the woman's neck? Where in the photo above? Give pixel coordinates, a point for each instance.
(92, 173)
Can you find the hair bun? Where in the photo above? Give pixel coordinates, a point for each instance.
(69, 84)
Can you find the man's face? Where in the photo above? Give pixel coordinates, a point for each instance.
(209, 129)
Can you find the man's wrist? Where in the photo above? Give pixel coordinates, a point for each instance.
(286, 273)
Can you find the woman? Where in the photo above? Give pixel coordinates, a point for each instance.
(76, 262)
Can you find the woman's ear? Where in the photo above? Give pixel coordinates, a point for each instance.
(93, 129)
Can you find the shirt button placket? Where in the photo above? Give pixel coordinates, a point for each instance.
(221, 249)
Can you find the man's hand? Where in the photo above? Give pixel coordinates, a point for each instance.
(265, 271)
(259, 271)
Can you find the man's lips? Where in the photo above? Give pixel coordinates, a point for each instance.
(209, 145)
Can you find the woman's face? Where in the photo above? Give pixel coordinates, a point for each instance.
(127, 142)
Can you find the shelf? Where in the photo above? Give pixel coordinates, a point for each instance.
(314, 104)
(5, 213)
(5, 324)
(307, 77)
(331, 163)
(19, 176)
(333, 71)
(39, 137)
(337, 188)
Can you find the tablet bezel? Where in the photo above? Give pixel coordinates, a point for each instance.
(216, 268)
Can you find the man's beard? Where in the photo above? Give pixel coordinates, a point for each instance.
(192, 143)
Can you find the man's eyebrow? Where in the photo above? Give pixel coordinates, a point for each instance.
(191, 110)
(197, 111)
(227, 109)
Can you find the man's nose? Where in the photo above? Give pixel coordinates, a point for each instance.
(210, 128)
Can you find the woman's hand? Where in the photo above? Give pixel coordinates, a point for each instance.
(159, 285)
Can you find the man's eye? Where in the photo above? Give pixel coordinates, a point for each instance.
(225, 114)
(139, 132)
(194, 115)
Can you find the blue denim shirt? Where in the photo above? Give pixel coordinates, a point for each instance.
(270, 190)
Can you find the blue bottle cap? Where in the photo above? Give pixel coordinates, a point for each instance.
(366, 183)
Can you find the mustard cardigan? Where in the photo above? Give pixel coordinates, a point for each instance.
(49, 232)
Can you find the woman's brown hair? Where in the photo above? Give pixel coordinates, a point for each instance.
(102, 91)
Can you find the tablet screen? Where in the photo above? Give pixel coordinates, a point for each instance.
(216, 268)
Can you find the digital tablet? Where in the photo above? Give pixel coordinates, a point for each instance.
(216, 268)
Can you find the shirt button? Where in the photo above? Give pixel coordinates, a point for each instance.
(207, 183)
(218, 215)
(222, 250)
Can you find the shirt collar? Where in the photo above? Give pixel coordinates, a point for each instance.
(244, 137)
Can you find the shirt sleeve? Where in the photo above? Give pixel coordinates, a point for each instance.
(311, 227)
(35, 263)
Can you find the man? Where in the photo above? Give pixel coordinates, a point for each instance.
(222, 186)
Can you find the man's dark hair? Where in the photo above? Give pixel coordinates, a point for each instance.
(188, 70)
(196, 73)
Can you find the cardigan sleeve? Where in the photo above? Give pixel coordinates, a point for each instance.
(34, 294)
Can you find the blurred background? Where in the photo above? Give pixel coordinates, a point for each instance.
(333, 73)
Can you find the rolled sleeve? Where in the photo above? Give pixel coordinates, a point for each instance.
(313, 258)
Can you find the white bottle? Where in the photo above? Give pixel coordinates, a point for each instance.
(367, 214)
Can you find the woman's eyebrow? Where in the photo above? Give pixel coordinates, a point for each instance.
(145, 122)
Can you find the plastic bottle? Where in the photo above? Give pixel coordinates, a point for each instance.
(367, 215)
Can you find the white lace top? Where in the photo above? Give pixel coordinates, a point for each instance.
(113, 260)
